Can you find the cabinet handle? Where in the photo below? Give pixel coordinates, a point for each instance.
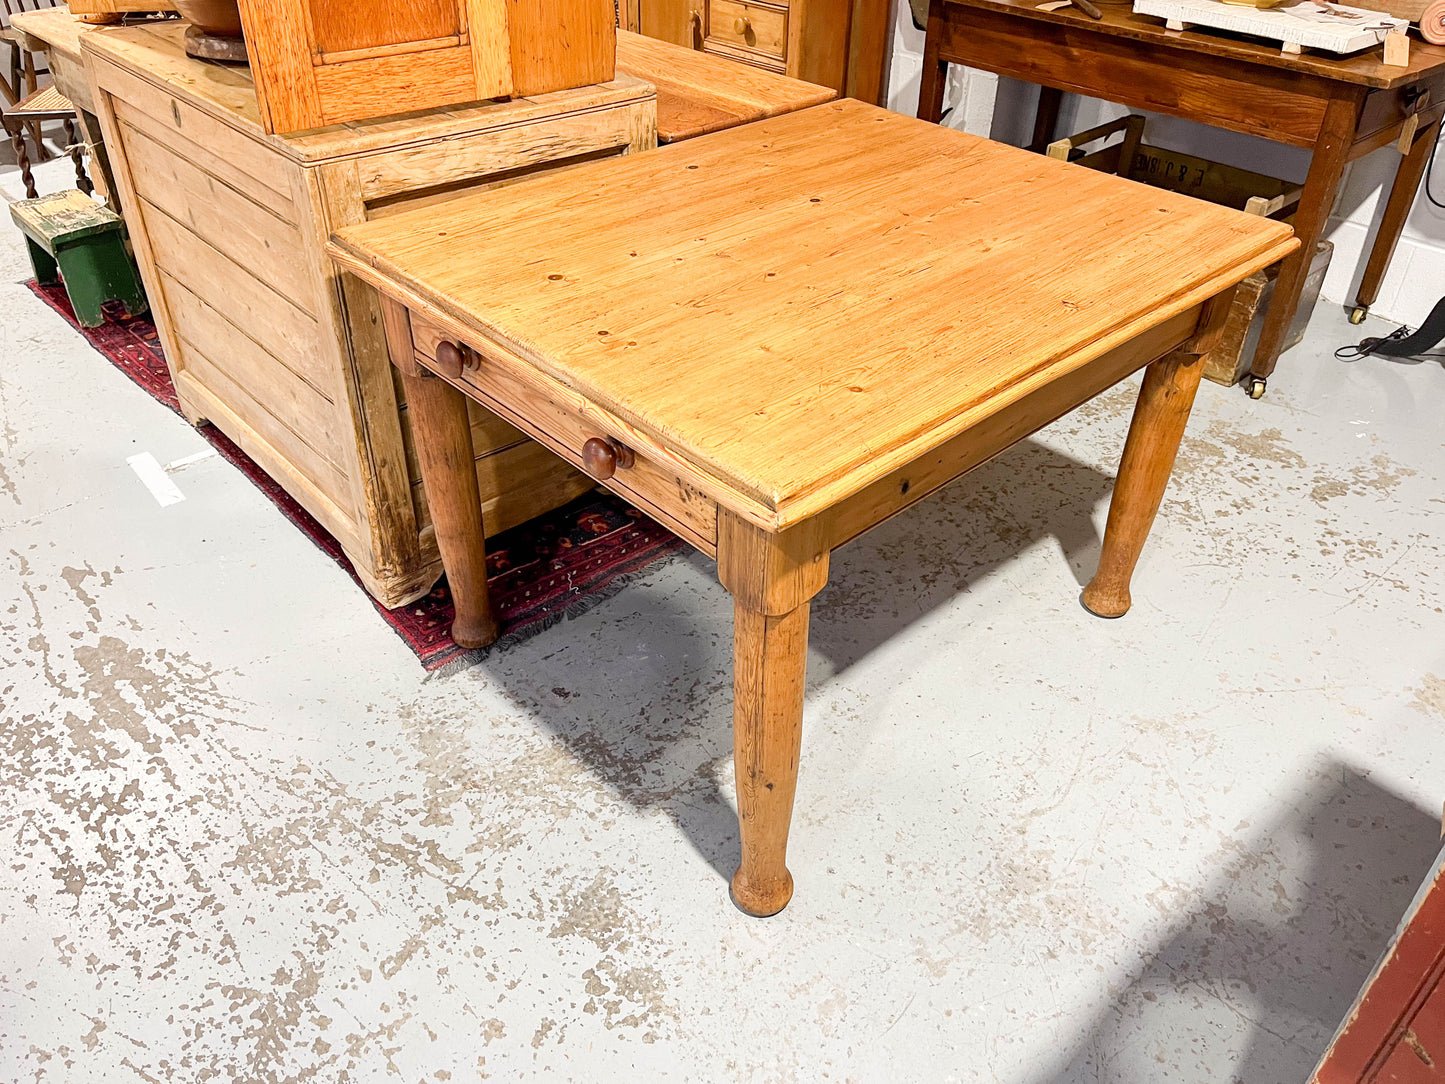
(601, 456)
(694, 28)
(742, 26)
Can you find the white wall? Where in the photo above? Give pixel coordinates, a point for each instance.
(1003, 109)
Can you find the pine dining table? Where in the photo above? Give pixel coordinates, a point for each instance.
(774, 338)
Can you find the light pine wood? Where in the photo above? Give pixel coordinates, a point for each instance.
(556, 44)
(448, 466)
(264, 337)
(769, 659)
(1165, 400)
(806, 267)
(698, 93)
(769, 347)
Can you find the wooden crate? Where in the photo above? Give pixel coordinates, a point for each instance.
(1228, 186)
(265, 339)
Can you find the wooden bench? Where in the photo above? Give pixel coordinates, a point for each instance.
(73, 238)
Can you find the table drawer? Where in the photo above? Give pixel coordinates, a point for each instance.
(500, 386)
(748, 26)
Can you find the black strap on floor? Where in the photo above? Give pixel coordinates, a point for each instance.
(1403, 343)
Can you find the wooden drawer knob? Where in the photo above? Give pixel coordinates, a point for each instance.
(601, 457)
(452, 359)
(742, 26)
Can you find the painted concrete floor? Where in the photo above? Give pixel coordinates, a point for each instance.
(247, 839)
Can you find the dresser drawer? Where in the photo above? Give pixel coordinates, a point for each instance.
(748, 26)
(503, 386)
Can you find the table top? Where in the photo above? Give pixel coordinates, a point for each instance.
(1365, 68)
(699, 93)
(794, 305)
(53, 28)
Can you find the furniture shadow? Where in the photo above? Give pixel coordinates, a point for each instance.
(924, 558)
(643, 696)
(1260, 975)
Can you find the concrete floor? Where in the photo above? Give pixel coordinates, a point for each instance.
(247, 839)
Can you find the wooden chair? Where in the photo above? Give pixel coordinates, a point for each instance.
(20, 78)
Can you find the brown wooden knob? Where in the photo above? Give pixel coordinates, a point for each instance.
(601, 456)
(450, 360)
(742, 26)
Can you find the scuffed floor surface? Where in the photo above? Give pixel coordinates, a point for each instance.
(245, 839)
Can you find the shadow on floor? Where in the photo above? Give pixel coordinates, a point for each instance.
(1252, 985)
(649, 710)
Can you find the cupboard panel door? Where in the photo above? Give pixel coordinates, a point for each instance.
(320, 62)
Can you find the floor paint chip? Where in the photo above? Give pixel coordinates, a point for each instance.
(149, 471)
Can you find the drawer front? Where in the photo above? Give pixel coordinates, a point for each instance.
(652, 487)
(748, 26)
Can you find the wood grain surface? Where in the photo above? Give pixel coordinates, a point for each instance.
(816, 299)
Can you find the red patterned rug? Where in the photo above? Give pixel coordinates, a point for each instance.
(539, 572)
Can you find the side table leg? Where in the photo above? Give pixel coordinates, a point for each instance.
(772, 577)
(1397, 209)
(935, 69)
(1332, 152)
(1164, 404)
(442, 433)
(1046, 118)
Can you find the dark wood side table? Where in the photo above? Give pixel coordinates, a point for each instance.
(1338, 108)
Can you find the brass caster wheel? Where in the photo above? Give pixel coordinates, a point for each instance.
(1255, 386)
(1358, 314)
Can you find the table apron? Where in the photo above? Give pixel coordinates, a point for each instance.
(651, 487)
(897, 490)
(1384, 111)
(1287, 107)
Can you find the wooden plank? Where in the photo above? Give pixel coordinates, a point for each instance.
(236, 158)
(491, 49)
(279, 327)
(358, 27)
(298, 405)
(283, 442)
(243, 231)
(736, 324)
(558, 44)
(455, 161)
(278, 41)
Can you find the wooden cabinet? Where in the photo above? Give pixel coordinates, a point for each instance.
(841, 44)
(322, 62)
(264, 338)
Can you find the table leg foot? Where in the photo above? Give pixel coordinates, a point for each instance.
(769, 659)
(1164, 403)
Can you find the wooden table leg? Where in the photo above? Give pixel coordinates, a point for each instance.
(442, 432)
(772, 577)
(1163, 409)
(935, 69)
(1402, 195)
(1046, 118)
(1332, 153)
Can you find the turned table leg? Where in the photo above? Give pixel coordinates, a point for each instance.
(442, 433)
(772, 577)
(1160, 414)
